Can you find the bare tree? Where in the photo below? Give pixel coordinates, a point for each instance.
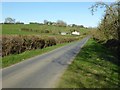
(9, 20)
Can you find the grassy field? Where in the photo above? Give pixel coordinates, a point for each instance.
(15, 58)
(94, 67)
(53, 30)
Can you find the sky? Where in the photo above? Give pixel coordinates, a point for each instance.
(57, 0)
(70, 12)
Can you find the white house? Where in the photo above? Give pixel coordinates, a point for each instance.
(63, 33)
(75, 33)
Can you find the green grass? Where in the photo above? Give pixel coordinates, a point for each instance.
(94, 67)
(54, 30)
(15, 29)
(12, 59)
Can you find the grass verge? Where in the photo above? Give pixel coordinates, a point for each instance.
(15, 58)
(94, 67)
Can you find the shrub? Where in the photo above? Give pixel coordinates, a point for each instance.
(15, 44)
(19, 44)
(50, 41)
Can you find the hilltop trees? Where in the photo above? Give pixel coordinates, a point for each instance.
(18, 22)
(9, 20)
(45, 22)
(57, 23)
(61, 23)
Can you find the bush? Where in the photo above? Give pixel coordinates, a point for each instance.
(50, 41)
(19, 44)
(109, 27)
(15, 44)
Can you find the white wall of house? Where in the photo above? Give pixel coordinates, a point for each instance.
(75, 33)
(63, 33)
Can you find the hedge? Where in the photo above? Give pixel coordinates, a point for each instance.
(15, 44)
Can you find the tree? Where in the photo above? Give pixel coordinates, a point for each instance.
(110, 23)
(74, 25)
(18, 22)
(61, 23)
(81, 26)
(9, 20)
(45, 22)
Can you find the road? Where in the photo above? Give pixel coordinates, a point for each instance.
(42, 71)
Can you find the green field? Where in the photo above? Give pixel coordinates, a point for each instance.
(94, 67)
(53, 30)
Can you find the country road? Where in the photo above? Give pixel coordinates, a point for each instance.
(42, 71)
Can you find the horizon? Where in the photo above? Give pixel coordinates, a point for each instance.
(72, 13)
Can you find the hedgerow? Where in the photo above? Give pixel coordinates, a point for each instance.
(15, 44)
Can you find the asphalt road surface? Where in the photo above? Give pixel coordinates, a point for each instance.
(43, 71)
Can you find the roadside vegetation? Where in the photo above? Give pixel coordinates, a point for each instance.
(108, 31)
(15, 44)
(97, 64)
(18, 48)
(94, 67)
(16, 58)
